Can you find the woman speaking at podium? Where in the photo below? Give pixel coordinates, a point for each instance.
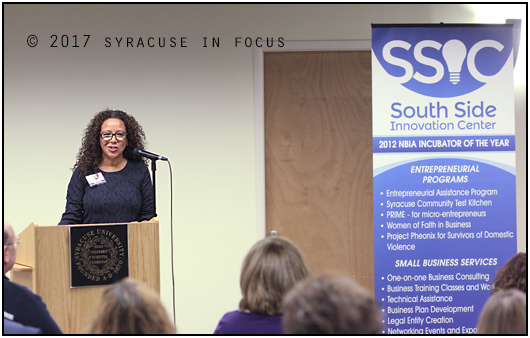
(109, 183)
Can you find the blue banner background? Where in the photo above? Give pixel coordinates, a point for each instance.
(500, 217)
(410, 66)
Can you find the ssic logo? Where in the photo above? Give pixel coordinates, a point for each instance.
(454, 53)
(444, 65)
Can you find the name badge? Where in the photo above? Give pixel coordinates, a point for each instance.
(95, 179)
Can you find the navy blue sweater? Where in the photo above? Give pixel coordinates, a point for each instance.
(28, 308)
(126, 196)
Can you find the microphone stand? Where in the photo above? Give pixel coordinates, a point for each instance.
(153, 169)
(153, 158)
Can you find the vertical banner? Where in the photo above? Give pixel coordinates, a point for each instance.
(444, 172)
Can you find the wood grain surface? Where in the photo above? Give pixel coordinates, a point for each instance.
(72, 308)
(318, 158)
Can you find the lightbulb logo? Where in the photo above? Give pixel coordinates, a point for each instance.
(442, 61)
(454, 53)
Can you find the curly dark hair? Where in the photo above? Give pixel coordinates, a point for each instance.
(90, 154)
(512, 275)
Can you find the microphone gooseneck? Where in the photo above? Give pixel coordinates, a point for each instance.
(151, 156)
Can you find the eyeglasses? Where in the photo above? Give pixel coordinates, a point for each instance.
(107, 136)
(16, 243)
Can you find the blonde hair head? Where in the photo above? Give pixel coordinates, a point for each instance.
(130, 307)
(271, 267)
(504, 313)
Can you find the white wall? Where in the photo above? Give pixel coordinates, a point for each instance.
(196, 105)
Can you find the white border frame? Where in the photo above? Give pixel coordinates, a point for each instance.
(259, 108)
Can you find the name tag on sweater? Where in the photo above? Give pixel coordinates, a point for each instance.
(95, 179)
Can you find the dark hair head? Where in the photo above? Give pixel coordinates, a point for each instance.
(330, 304)
(271, 267)
(130, 307)
(90, 153)
(512, 274)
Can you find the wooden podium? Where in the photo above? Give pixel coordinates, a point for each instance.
(43, 265)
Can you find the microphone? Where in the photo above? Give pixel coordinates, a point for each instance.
(151, 156)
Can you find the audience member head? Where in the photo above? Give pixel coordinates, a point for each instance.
(512, 274)
(503, 313)
(330, 304)
(271, 267)
(130, 307)
(10, 243)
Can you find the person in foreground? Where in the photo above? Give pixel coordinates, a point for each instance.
(12, 327)
(330, 304)
(20, 304)
(130, 307)
(109, 183)
(511, 275)
(271, 267)
(504, 313)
